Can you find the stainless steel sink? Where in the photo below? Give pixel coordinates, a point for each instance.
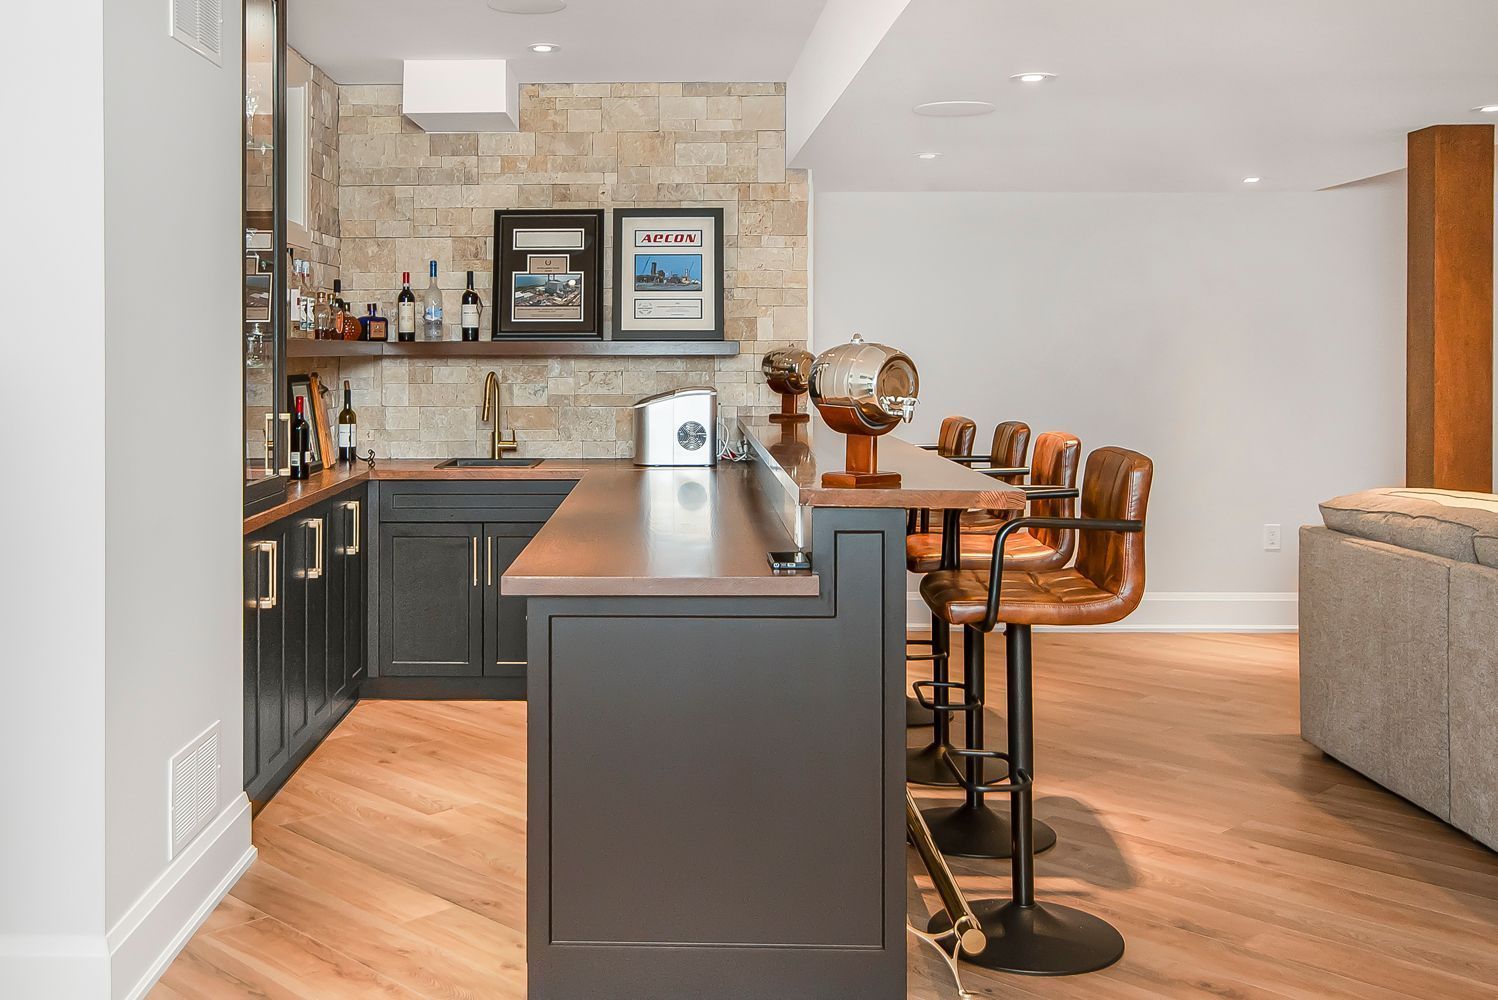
(490, 463)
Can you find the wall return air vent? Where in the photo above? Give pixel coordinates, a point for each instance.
(192, 788)
(199, 24)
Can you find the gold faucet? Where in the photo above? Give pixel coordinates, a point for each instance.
(499, 441)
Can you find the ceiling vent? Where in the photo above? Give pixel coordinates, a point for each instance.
(199, 24)
(192, 794)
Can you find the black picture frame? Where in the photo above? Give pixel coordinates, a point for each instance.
(711, 295)
(584, 265)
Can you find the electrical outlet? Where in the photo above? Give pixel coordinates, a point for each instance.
(1271, 538)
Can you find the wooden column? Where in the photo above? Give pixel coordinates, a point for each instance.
(1449, 396)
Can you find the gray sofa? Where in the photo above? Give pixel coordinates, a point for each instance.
(1399, 646)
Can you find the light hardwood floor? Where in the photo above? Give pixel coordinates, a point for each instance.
(1236, 860)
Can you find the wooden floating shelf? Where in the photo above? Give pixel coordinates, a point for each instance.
(511, 348)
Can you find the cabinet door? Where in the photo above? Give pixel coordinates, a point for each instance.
(306, 623)
(349, 516)
(504, 616)
(335, 664)
(431, 600)
(267, 735)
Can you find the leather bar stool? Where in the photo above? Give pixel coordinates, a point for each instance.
(955, 437)
(1104, 586)
(1052, 488)
(1057, 456)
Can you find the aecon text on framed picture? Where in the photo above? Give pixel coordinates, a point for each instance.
(548, 274)
(668, 274)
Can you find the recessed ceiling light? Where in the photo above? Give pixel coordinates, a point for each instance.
(544, 47)
(953, 109)
(1487, 109)
(1033, 77)
(926, 156)
(526, 6)
(1252, 180)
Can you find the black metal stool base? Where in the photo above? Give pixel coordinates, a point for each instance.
(1046, 939)
(963, 831)
(924, 766)
(916, 716)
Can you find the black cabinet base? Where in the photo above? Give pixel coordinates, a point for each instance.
(263, 789)
(445, 688)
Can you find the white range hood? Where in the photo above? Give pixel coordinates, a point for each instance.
(461, 95)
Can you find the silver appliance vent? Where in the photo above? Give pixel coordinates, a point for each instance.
(192, 790)
(199, 24)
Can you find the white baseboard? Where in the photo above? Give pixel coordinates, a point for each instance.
(1229, 611)
(58, 967)
(146, 939)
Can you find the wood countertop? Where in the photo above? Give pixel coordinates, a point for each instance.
(629, 531)
(798, 454)
(686, 532)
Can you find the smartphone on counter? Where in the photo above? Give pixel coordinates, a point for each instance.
(795, 559)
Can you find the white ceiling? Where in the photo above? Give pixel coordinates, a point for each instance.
(1156, 95)
(364, 41)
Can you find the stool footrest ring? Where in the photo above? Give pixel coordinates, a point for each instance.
(933, 657)
(944, 706)
(1016, 781)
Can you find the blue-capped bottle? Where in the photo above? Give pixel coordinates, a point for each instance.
(431, 310)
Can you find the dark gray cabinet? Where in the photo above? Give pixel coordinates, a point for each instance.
(267, 740)
(431, 600)
(443, 627)
(504, 616)
(305, 607)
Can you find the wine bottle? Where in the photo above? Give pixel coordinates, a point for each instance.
(348, 427)
(431, 311)
(472, 305)
(301, 443)
(308, 302)
(405, 310)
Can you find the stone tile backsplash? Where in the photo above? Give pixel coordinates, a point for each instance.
(406, 197)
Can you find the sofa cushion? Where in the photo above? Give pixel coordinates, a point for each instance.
(1447, 523)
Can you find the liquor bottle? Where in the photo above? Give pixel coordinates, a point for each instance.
(348, 427)
(376, 327)
(431, 308)
(301, 443)
(469, 313)
(294, 295)
(340, 304)
(405, 310)
(322, 317)
(305, 320)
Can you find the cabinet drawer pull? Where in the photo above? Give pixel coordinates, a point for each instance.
(267, 602)
(474, 562)
(314, 572)
(352, 548)
(489, 561)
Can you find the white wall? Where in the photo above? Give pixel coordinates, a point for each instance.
(1252, 344)
(121, 621)
(173, 577)
(51, 580)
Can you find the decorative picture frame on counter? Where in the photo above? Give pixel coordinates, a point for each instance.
(548, 274)
(307, 388)
(668, 274)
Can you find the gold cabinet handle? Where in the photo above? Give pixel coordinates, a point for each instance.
(267, 602)
(352, 548)
(316, 524)
(474, 562)
(489, 561)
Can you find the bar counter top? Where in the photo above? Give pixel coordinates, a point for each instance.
(688, 532)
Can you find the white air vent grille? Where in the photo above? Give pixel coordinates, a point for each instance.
(199, 24)
(192, 793)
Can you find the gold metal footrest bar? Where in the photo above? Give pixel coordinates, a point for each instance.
(965, 936)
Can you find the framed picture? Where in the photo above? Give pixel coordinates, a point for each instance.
(668, 274)
(309, 390)
(548, 273)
